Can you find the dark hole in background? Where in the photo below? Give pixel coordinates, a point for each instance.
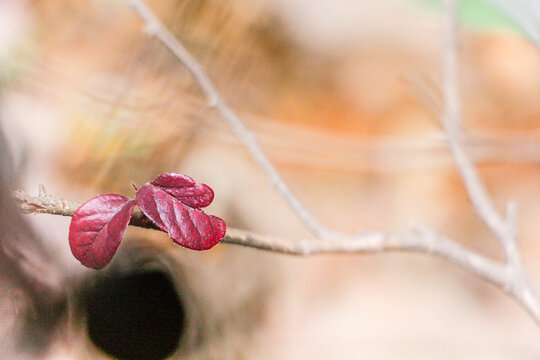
(135, 316)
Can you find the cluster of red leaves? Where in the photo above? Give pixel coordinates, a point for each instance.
(172, 201)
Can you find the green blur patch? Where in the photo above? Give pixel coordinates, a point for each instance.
(476, 15)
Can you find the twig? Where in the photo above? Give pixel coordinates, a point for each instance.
(420, 240)
(505, 230)
(155, 27)
(451, 121)
(508, 277)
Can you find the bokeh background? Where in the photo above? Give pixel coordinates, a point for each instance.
(338, 94)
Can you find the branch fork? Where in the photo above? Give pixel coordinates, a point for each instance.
(508, 276)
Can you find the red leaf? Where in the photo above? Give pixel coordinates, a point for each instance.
(187, 226)
(185, 189)
(96, 229)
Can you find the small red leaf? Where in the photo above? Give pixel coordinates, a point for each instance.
(187, 226)
(96, 229)
(185, 189)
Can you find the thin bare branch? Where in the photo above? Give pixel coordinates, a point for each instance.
(509, 277)
(451, 121)
(476, 191)
(155, 27)
(422, 240)
(504, 229)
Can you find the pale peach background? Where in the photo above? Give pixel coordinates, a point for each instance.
(91, 104)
